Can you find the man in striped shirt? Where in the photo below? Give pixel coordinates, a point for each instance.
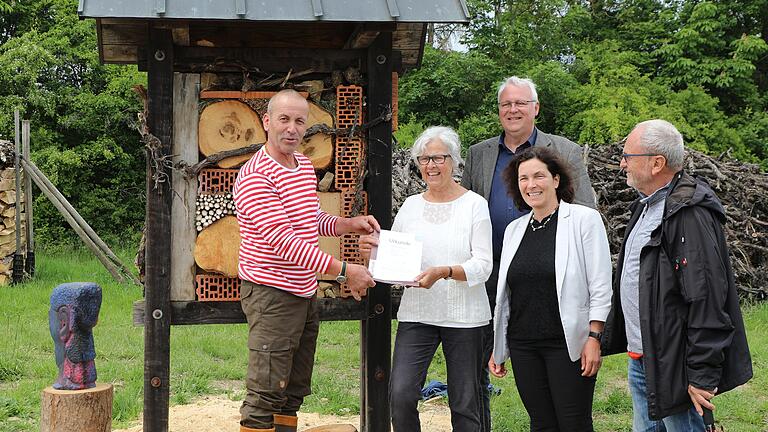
(280, 221)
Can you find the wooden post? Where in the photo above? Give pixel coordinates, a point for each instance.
(186, 88)
(46, 187)
(88, 410)
(29, 262)
(376, 330)
(157, 288)
(18, 259)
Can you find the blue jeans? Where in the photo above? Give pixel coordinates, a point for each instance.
(686, 421)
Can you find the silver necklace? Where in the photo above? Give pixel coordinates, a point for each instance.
(543, 223)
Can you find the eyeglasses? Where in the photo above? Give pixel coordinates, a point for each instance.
(437, 159)
(626, 156)
(517, 104)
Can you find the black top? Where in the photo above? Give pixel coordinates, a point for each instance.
(534, 311)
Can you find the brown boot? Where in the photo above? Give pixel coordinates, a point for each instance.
(247, 429)
(285, 423)
(333, 428)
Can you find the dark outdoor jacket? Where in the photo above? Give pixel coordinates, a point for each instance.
(691, 325)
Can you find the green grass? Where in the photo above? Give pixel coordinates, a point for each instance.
(212, 359)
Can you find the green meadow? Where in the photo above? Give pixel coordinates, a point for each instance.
(211, 359)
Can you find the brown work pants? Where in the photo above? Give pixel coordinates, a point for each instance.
(282, 336)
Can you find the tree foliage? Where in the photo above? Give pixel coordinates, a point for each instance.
(81, 115)
(602, 66)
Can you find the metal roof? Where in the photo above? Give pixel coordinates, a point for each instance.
(281, 10)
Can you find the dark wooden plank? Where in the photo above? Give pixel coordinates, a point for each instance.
(157, 288)
(267, 60)
(195, 312)
(376, 331)
(120, 54)
(270, 34)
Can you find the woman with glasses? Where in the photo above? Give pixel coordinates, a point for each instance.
(553, 295)
(448, 303)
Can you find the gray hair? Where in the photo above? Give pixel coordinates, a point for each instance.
(518, 82)
(662, 137)
(447, 136)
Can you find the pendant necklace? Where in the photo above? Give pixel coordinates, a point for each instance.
(543, 223)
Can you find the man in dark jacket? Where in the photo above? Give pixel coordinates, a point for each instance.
(675, 309)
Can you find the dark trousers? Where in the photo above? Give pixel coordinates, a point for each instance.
(485, 402)
(415, 345)
(282, 336)
(556, 396)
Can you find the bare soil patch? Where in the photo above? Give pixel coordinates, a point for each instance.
(217, 413)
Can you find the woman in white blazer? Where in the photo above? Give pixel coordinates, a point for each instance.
(553, 296)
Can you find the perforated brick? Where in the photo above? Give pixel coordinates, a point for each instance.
(350, 161)
(217, 288)
(353, 204)
(216, 180)
(349, 106)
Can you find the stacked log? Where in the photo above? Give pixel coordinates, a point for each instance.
(740, 186)
(8, 213)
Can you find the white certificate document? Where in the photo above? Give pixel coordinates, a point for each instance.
(397, 259)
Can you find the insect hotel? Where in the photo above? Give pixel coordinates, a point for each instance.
(211, 67)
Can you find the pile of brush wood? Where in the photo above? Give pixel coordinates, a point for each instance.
(740, 186)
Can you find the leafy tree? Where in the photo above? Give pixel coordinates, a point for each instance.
(449, 86)
(81, 115)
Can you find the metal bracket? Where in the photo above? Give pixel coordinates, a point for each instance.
(317, 8)
(240, 8)
(464, 8)
(160, 7)
(394, 11)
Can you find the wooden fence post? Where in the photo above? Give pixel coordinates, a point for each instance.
(376, 330)
(29, 262)
(157, 288)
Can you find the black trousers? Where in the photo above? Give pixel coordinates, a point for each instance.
(415, 346)
(485, 402)
(556, 396)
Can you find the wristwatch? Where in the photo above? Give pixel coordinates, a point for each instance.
(596, 335)
(342, 277)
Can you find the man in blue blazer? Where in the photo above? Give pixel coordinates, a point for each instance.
(518, 105)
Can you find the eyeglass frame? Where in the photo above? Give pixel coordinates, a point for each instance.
(432, 159)
(626, 156)
(518, 104)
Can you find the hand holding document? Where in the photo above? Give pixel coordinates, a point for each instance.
(397, 258)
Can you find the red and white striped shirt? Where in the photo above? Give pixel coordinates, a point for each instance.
(280, 222)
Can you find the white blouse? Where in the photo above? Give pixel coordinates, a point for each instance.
(453, 233)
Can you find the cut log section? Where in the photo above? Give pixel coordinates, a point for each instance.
(217, 247)
(319, 147)
(229, 125)
(88, 410)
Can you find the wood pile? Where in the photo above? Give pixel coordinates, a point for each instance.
(8, 212)
(740, 186)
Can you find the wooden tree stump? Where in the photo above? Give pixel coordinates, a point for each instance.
(77, 410)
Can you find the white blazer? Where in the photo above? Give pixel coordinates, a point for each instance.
(582, 276)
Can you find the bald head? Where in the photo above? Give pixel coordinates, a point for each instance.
(284, 95)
